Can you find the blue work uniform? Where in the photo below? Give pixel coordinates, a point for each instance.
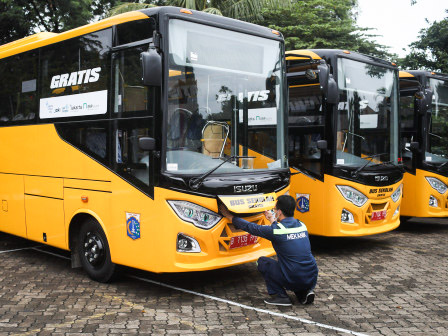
(296, 268)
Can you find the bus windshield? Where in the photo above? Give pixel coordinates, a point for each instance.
(224, 99)
(437, 141)
(367, 116)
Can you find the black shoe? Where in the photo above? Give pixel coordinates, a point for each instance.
(305, 297)
(278, 301)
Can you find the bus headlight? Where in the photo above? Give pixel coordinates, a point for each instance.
(195, 214)
(352, 195)
(433, 202)
(396, 194)
(347, 217)
(187, 244)
(437, 184)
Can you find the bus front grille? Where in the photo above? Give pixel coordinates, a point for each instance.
(230, 231)
(374, 207)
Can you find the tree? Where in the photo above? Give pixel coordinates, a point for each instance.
(431, 50)
(237, 9)
(19, 18)
(13, 24)
(313, 24)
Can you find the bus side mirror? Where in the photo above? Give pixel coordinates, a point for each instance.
(428, 99)
(420, 101)
(328, 84)
(151, 67)
(147, 143)
(322, 144)
(324, 72)
(332, 91)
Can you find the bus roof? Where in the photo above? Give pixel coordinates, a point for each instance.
(427, 73)
(45, 38)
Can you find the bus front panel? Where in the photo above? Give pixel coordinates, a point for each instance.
(328, 207)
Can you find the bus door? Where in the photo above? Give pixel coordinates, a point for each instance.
(306, 126)
(132, 118)
(409, 121)
(306, 123)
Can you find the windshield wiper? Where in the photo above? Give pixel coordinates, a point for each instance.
(442, 165)
(195, 183)
(346, 138)
(371, 157)
(435, 135)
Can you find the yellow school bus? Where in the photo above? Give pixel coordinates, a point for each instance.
(424, 130)
(118, 139)
(344, 142)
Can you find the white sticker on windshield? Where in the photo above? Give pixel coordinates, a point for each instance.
(275, 164)
(368, 121)
(340, 161)
(428, 158)
(193, 56)
(171, 166)
(260, 116)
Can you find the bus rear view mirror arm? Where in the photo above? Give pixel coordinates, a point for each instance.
(324, 72)
(147, 143)
(328, 84)
(151, 67)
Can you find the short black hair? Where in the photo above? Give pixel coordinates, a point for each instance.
(286, 204)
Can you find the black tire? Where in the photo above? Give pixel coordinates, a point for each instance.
(94, 252)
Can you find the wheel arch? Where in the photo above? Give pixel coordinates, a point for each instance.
(78, 218)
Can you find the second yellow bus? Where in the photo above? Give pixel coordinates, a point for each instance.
(344, 142)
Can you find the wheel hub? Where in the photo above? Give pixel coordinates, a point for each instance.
(93, 249)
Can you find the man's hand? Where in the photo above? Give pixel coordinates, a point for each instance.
(225, 212)
(269, 216)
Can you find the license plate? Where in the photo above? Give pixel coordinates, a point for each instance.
(379, 215)
(241, 241)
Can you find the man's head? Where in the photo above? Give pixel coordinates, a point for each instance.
(286, 204)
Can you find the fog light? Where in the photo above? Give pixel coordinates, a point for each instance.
(347, 217)
(397, 211)
(433, 202)
(187, 244)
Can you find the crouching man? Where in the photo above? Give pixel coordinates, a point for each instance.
(296, 268)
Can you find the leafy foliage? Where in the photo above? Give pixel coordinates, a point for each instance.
(237, 9)
(430, 52)
(19, 18)
(313, 24)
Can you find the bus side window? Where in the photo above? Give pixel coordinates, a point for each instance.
(129, 160)
(131, 97)
(91, 139)
(18, 88)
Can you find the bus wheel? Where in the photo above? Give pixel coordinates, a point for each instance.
(94, 252)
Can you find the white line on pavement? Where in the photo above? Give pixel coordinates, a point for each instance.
(317, 324)
(250, 307)
(19, 249)
(53, 254)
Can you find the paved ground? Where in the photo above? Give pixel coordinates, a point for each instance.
(390, 284)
